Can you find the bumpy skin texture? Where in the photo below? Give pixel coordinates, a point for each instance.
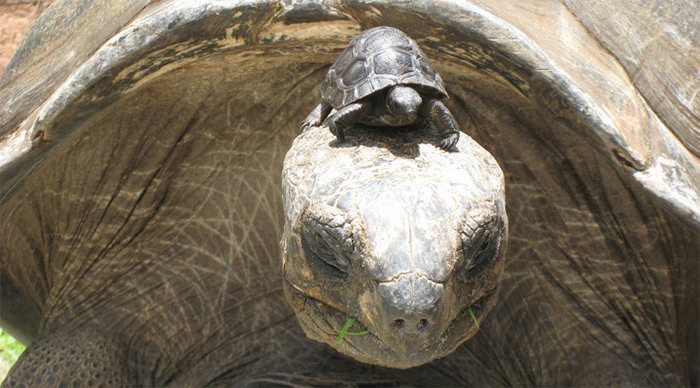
(400, 235)
(86, 357)
(141, 197)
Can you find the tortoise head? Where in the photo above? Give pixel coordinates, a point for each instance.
(408, 245)
(403, 103)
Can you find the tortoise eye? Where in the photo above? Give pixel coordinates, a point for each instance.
(485, 241)
(482, 252)
(478, 251)
(391, 105)
(325, 253)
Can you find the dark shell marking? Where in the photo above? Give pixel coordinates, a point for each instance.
(378, 58)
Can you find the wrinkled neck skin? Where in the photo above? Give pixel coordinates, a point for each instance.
(396, 233)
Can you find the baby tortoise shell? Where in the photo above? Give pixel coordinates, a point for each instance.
(376, 59)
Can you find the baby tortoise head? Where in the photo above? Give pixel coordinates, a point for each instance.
(411, 247)
(403, 102)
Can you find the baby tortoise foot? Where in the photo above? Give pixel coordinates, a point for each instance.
(449, 141)
(316, 117)
(336, 130)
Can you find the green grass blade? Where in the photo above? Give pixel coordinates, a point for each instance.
(358, 333)
(473, 316)
(344, 331)
(347, 326)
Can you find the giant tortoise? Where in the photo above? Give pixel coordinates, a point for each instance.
(144, 241)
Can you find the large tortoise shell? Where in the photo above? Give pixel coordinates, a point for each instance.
(378, 58)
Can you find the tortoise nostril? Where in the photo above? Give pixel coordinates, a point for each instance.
(400, 325)
(423, 324)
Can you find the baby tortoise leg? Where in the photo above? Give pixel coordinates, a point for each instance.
(435, 111)
(316, 117)
(83, 358)
(347, 116)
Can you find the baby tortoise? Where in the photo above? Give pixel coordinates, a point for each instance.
(383, 78)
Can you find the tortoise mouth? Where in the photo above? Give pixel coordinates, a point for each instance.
(322, 322)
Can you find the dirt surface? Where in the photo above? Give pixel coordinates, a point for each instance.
(16, 16)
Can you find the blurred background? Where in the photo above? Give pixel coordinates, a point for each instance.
(10, 349)
(16, 16)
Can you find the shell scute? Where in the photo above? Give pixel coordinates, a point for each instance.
(378, 41)
(355, 73)
(393, 62)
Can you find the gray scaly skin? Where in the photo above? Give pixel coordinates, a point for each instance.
(141, 207)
